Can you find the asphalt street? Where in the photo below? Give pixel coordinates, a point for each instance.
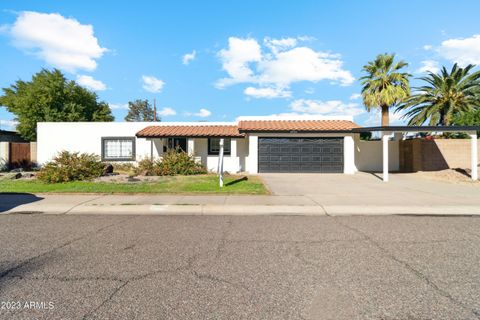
(234, 267)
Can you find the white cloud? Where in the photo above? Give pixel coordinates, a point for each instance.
(189, 57)
(117, 106)
(303, 64)
(355, 96)
(8, 124)
(203, 113)
(326, 108)
(283, 63)
(62, 42)
(91, 83)
(309, 91)
(288, 114)
(276, 45)
(267, 92)
(429, 66)
(165, 112)
(236, 60)
(152, 84)
(462, 50)
(427, 47)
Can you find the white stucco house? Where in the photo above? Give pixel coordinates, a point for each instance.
(251, 144)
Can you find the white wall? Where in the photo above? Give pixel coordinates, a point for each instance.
(368, 155)
(53, 137)
(231, 163)
(349, 155)
(4, 154)
(252, 158)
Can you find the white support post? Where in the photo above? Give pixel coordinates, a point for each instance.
(220, 165)
(252, 161)
(385, 139)
(349, 155)
(233, 148)
(151, 149)
(474, 155)
(191, 146)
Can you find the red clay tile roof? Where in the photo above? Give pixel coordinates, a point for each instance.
(247, 126)
(190, 131)
(296, 125)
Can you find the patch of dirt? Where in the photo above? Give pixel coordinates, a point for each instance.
(125, 178)
(456, 175)
(15, 175)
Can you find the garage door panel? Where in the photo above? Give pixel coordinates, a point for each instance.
(300, 155)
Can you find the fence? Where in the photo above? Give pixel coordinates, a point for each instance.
(433, 155)
(17, 154)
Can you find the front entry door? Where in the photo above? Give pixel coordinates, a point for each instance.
(180, 143)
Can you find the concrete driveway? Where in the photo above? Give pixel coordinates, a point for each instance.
(164, 267)
(368, 189)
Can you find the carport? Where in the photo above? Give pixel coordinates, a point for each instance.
(388, 131)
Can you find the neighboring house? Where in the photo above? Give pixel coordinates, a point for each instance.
(10, 136)
(252, 144)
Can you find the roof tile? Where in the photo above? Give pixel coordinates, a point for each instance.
(190, 131)
(296, 125)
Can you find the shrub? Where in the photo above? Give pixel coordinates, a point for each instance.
(123, 167)
(173, 162)
(69, 166)
(145, 167)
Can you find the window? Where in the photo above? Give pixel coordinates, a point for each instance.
(177, 143)
(118, 148)
(214, 146)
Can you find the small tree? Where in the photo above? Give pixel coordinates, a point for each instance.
(49, 96)
(140, 110)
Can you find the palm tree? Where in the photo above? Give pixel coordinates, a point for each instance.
(384, 85)
(445, 96)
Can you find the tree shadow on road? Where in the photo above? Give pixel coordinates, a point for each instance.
(9, 201)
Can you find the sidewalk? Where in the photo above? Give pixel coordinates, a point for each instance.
(221, 205)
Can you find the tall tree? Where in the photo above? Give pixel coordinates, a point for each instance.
(49, 96)
(444, 97)
(140, 110)
(384, 84)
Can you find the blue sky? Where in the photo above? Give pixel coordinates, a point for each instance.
(217, 60)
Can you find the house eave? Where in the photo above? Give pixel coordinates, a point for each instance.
(189, 136)
(295, 131)
(417, 129)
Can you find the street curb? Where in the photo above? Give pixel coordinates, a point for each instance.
(243, 210)
(206, 209)
(337, 210)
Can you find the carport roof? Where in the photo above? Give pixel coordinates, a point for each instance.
(296, 126)
(418, 129)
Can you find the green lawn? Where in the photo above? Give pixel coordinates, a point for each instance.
(177, 184)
